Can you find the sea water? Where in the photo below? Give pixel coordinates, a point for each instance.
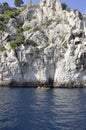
(35, 109)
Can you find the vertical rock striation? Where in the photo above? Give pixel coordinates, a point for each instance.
(54, 48)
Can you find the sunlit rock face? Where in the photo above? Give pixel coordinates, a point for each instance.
(54, 48)
(49, 9)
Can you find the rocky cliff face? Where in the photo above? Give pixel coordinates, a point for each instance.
(53, 52)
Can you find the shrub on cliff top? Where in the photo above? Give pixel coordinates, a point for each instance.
(68, 9)
(18, 3)
(12, 13)
(5, 4)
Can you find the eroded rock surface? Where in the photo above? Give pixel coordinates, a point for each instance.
(57, 57)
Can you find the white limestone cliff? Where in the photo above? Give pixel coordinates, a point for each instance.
(57, 57)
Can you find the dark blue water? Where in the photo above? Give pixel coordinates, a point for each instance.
(32, 109)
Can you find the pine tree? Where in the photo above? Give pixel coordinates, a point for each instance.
(18, 3)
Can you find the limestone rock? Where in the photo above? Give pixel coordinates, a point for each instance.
(54, 49)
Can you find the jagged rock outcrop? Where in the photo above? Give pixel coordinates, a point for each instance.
(54, 49)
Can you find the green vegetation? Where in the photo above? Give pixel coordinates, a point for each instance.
(1, 12)
(9, 14)
(31, 2)
(26, 28)
(2, 48)
(68, 9)
(63, 38)
(5, 4)
(45, 46)
(49, 22)
(37, 55)
(19, 10)
(2, 26)
(12, 14)
(1, 18)
(36, 29)
(34, 17)
(65, 7)
(18, 3)
(75, 10)
(15, 43)
(65, 45)
(19, 30)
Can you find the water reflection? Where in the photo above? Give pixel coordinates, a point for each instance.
(8, 114)
(69, 108)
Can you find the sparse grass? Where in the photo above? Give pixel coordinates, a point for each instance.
(65, 45)
(49, 22)
(43, 24)
(26, 28)
(36, 29)
(34, 17)
(19, 29)
(63, 38)
(2, 48)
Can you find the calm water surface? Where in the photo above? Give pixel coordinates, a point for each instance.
(32, 109)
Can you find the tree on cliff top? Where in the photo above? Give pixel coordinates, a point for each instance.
(5, 4)
(18, 3)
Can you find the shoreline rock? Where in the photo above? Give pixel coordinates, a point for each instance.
(44, 86)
